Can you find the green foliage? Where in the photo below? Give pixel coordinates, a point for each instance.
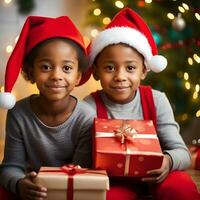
(25, 6)
(176, 46)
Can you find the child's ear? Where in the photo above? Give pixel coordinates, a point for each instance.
(78, 79)
(144, 73)
(95, 74)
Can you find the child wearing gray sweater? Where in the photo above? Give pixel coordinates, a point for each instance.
(120, 57)
(52, 128)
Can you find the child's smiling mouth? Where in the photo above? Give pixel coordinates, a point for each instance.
(120, 88)
(56, 88)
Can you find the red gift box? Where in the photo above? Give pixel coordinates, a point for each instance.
(126, 147)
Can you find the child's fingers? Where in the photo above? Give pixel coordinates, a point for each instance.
(36, 194)
(154, 179)
(33, 187)
(35, 198)
(153, 176)
(150, 179)
(31, 175)
(154, 172)
(37, 188)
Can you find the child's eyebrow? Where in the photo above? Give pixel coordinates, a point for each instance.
(131, 61)
(126, 61)
(108, 61)
(68, 61)
(49, 59)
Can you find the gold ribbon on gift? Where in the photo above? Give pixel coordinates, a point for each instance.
(125, 132)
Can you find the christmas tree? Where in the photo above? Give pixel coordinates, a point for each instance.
(175, 28)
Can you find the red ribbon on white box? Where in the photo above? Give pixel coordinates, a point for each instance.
(71, 170)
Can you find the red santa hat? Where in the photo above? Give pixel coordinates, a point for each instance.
(129, 28)
(35, 30)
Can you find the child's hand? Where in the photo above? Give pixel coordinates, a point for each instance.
(159, 175)
(29, 190)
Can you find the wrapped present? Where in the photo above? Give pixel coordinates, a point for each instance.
(195, 155)
(126, 147)
(73, 183)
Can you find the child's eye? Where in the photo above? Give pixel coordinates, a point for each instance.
(67, 69)
(130, 68)
(110, 68)
(46, 67)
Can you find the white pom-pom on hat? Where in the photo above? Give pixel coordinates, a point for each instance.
(7, 100)
(157, 63)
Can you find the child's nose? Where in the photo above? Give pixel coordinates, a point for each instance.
(56, 74)
(120, 75)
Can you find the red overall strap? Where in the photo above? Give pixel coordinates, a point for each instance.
(148, 106)
(100, 107)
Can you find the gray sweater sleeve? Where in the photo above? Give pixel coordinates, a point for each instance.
(169, 134)
(14, 167)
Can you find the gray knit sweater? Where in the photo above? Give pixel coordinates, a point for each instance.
(167, 129)
(31, 144)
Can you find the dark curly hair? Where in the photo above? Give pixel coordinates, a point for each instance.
(31, 56)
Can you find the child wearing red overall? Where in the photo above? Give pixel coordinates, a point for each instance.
(120, 57)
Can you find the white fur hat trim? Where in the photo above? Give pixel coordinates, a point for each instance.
(131, 37)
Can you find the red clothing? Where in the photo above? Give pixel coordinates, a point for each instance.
(177, 186)
(148, 107)
(5, 195)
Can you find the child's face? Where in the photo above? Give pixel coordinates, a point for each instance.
(55, 70)
(120, 70)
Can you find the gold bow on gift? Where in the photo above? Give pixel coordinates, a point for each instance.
(125, 132)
